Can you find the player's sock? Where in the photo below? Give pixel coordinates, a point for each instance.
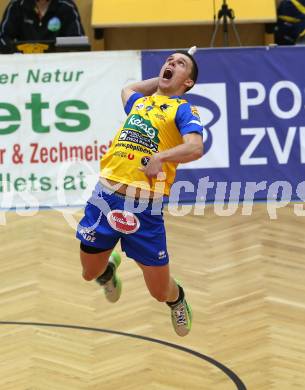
(109, 280)
(180, 297)
(181, 314)
(107, 275)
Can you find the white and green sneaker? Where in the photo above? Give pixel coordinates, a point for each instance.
(181, 315)
(113, 287)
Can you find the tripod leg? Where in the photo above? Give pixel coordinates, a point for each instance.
(235, 32)
(214, 33)
(226, 38)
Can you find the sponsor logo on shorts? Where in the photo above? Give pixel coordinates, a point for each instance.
(123, 221)
(161, 255)
(88, 235)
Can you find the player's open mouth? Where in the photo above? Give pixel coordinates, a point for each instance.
(168, 74)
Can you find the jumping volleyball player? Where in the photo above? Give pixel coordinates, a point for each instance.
(161, 131)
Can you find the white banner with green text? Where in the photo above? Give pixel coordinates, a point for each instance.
(58, 114)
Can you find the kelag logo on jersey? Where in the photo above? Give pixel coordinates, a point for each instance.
(136, 122)
(210, 99)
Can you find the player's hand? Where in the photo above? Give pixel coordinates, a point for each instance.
(153, 168)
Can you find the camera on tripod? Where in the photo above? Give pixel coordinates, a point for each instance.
(224, 14)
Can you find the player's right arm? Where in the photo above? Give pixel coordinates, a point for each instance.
(145, 87)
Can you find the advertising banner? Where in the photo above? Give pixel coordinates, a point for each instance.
(58, 114)
(251, 102)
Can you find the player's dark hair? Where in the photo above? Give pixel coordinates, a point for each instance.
(194, 73)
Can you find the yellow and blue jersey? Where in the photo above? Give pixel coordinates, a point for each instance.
(154, 123)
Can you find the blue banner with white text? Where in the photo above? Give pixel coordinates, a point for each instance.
(251, 102)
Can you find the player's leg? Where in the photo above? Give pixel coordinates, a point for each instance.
(160, 284)
(97, 238)
(101, 266)
(94, 261)
(165, 289)
(148, 247)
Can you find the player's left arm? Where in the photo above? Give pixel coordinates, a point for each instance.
(191, 149)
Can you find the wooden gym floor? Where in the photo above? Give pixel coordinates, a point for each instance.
(243, 275)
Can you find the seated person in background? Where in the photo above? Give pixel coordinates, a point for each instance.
(39, 20)
(290, 27)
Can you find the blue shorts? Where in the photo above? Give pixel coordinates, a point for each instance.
(110, 217)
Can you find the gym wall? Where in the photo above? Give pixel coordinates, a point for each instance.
(161, 37)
